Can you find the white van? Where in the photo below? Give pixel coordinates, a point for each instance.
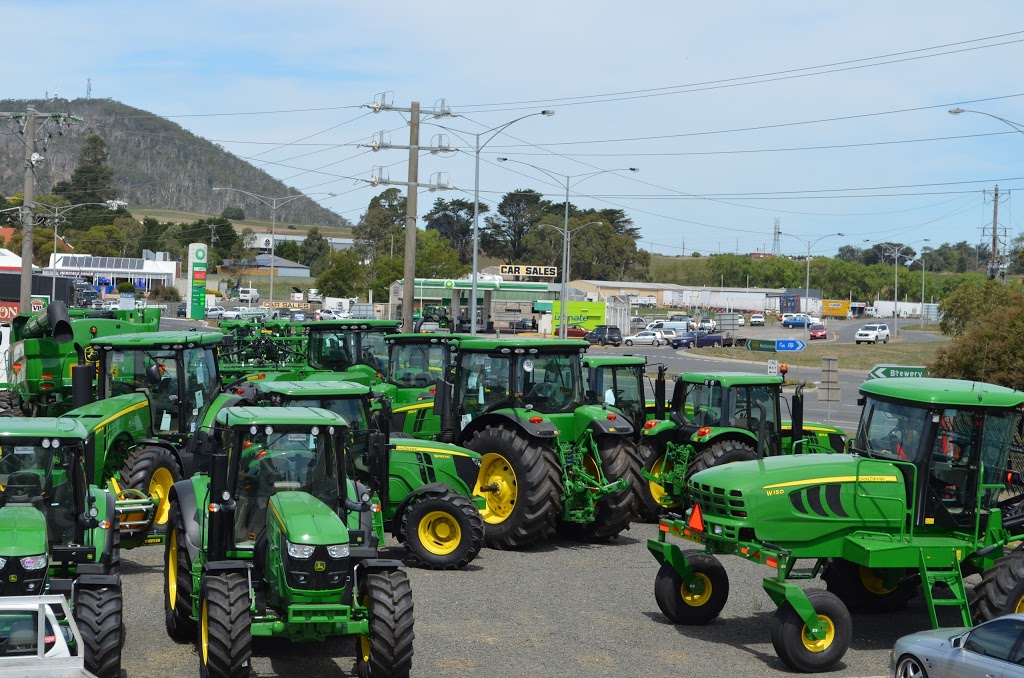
(249, 294)
(679, 328)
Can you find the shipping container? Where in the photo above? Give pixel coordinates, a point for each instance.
(835, 308)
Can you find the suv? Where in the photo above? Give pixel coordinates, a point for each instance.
(313, 295)
(757, 319)
(605, 334)
(872, 334)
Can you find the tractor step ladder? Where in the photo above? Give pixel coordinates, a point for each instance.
(952, 578)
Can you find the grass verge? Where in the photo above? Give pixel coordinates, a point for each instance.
(852, 357)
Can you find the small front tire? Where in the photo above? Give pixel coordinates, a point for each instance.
(442, 531)
(692, 607)
(800, 653)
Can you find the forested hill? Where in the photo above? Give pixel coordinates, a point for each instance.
(156, 163)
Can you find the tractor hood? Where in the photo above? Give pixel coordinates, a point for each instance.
(304, 519)
(800, 499)
(22, 531)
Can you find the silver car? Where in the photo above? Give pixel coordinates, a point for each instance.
(995, 648)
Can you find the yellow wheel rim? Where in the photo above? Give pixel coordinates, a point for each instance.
(204, 635)
(364, 641)
(160, 487)
(658, 490)
(439, 533)
(495, 470)
(172, 568)
(1020, 606)
(695, 598)
(823, 644)
(874, 583)
(590, 464)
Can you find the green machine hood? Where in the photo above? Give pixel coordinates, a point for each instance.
(304, 519)
(22, 531)
(800, 499)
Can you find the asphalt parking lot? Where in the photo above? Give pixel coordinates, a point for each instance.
(564, 609)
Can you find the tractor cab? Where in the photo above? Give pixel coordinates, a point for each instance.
(744, 402)
(940, 435)
(176, 371)
(617, 381)
(356, 346)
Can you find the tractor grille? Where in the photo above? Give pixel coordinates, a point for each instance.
(17, 581)
(718, 501)
(319, 573)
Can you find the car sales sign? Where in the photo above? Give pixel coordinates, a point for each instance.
(524, 270)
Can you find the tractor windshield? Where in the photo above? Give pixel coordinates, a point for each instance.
(483, 383)
(356, 413)
(889, 429)
(701, 404)
(49, 475)
(275, 459)
(416, 365)
(340, 350)
(620, 386)
(549, 382)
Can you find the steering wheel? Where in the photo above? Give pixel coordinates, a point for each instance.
(121, 388)
(542, 390)
(23, 485)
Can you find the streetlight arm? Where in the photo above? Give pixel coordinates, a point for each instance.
(1015, 125)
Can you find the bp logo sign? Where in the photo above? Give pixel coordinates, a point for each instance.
(449, 284)
(200, 254)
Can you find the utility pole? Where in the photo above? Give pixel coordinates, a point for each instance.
(995, 267)
(408, 292)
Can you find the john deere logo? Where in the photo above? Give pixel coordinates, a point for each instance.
(13, 578)
(319, 566)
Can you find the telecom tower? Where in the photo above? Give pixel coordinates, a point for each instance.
(776, 240)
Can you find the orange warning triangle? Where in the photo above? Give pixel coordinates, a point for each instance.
(696, 521)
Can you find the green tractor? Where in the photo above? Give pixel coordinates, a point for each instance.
(43, 351)
(261, 344)
(152, 390)
(717, 418)
(618, 381)
(928, 494)
(551, 460)
(356, 347)
(415, 363)
(278, 538)
(59, 532)
(430, 504)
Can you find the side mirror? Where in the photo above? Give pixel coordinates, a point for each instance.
(153, 375)
(380, 452)
(957, 642)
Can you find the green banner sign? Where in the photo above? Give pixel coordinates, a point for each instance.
(893, 371)
(765, 345)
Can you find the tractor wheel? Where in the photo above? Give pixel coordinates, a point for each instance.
(862, 589)
(443, 531)
(614, 512)
(801, 653)
(1001, 590)
(724, 452)
(98, 613)
(523, 487)
(225, 635)
(652, 456)
(178, 583)
(387, 651)
(153, 470)
(684, 606)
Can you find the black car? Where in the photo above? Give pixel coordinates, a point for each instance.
(182, 309)
(697, 339)
(605, 334)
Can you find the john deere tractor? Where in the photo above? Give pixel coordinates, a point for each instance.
(928, 494)
(430, 504)
(279, 537)
(415, 363)
(59, 532)
(618, 381)
(550, 459)
(717, 418)
(356, 347)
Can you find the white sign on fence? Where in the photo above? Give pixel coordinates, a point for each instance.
(773, 368)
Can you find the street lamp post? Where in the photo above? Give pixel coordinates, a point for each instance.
(563, 315)
(58, 213)
(807, 281)
(565, 243)
(273, 204)
(896, 253)
(922, 288)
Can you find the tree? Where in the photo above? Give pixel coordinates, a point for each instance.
(314, 251)
(850, 253)
(983, 353)
(288, 249)
(343, 276)
(165, 293)
(233, 212)
(126, 287)
(243, 254)
(381, 230)
(91, 182)
(454, 220)
(435, 258)
(504, 236)
(974, 300)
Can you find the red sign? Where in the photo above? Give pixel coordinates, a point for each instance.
(199, 275)
(9, 309)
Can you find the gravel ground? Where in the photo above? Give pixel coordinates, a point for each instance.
(564, 609)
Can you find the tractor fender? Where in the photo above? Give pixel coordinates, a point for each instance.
(184, 494)
(378, 564)
(396, 521)
(545, 429)
(221, 566)
(659, 427)
(725, 433)
(157, 442)
(97, 581)
(620, 426)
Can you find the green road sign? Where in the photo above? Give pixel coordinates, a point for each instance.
(765, 345)
(891, 371)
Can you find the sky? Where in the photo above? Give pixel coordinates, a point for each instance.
(828, 117)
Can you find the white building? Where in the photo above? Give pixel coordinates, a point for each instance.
(106, 272)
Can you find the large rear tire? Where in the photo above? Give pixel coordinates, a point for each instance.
(652, 456)
(99, 614)
(723, 452)
(801, 653)
(153, 471)
(523, 508)
(862, 589)
(692, 607)
(387, 651)
(178, 620)
(225, 634)
(614, 512)
(1001, 590)
(442, 531)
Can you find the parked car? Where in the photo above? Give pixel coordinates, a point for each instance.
(818, 331)
(741, 321)
(313, 295)
(249, 294)
(644, 338)
(182, 309)
(232, 313)
(679, 318)
(521, 324)
(989, 649)
(757, 319)
(605, 334)
(667, 335)
(575, 332)
(697, 339)
(707, 325)
(214, 312)
(872, 334)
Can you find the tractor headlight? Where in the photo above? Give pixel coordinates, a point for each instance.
(338, 551)
(34, 562)
(3, 563)
(300, 551)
